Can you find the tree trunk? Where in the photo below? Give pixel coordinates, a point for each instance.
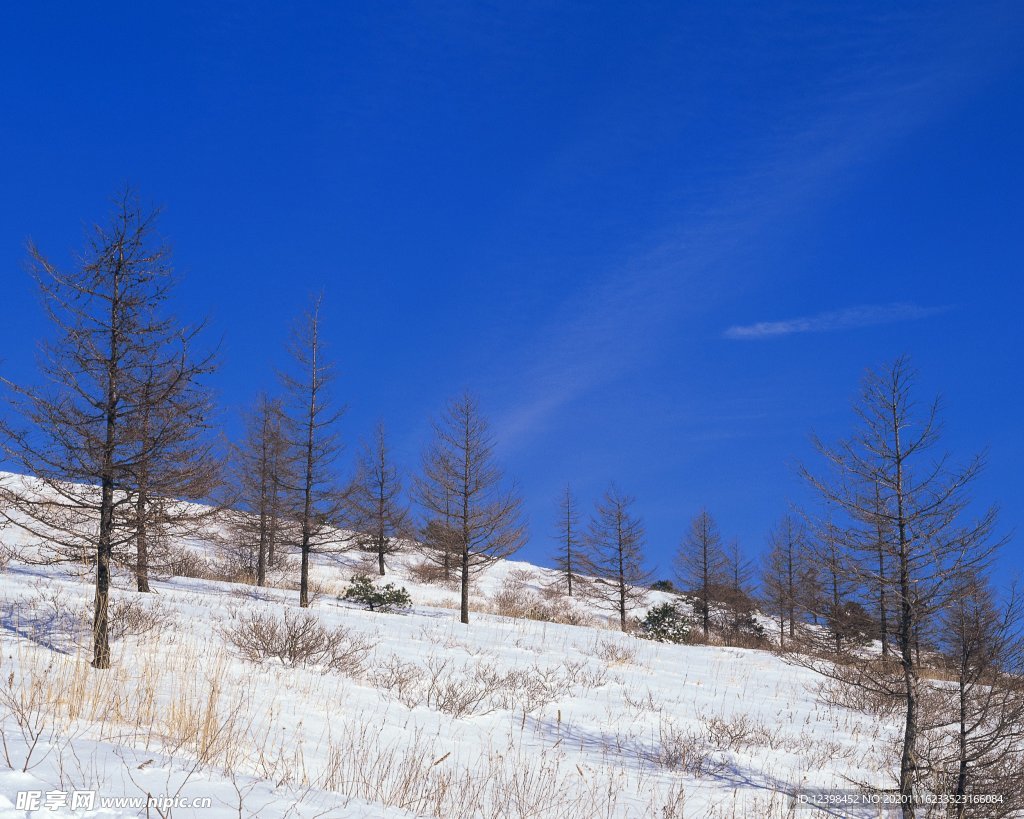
(961, 779)
(141, 545)
(790, 583)
(464, 608)
(882, 605)
(908, 759)
(706, 607)
(382, 536)
(100, 638)
(261, 554)
(307, 508)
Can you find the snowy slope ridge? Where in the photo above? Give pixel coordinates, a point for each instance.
(424, 717)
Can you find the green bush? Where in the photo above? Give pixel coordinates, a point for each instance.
(665, 623)
(376, 598)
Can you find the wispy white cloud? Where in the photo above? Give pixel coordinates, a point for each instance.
(847, 319)
(680, 271)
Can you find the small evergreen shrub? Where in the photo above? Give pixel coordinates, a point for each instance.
(376, 598)
(665, 623)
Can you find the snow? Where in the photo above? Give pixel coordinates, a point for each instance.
(623, 728)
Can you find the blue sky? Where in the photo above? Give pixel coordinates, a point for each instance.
(662, 241)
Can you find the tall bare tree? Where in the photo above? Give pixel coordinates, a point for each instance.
(263, 470)
(316, 444)
(462, 488)
(615, 543)
(567, 536)
(80, 435)
(983, 647)
(176, 465)
(700, 564)
(736, 593)
(376, 509)
(888, 478)
(781, 574)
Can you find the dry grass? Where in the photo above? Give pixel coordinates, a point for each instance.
(208, 718)
(151, 704)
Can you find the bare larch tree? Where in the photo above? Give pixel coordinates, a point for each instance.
(614, 556)
(895, 491)
(735, 595)
(376, 510)
(982, 645)
(80, 435)
(175, 467)
(700, 564)
(316, 444)
(262, 470)
(461, 487)
(780, 576)
(567, 537)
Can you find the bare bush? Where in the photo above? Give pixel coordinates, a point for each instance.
(458, 694)
(516, 599)
(184, 562)
(867, 700)
(428, 572)
(681, 749)
(405, 680)
(130, 618)
(35, 729)
(738, 733)
(585, 675)
(614, 652)
(298, 640)
(471, 690)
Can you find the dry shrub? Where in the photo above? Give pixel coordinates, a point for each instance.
(129, 617)
(515, 599)
(738, 732)
(471, 690)
(586, 676)
(298, 640)
(28, 719)
(699, 751)
(866, 699)
(458, 694)
(425, 571)
(614, 652)
(682, 749)
(554, 592)
(404, 680)
(518, 600)
(183, 562)
(46, 616)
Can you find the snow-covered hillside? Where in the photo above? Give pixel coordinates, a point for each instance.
(423, 716)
